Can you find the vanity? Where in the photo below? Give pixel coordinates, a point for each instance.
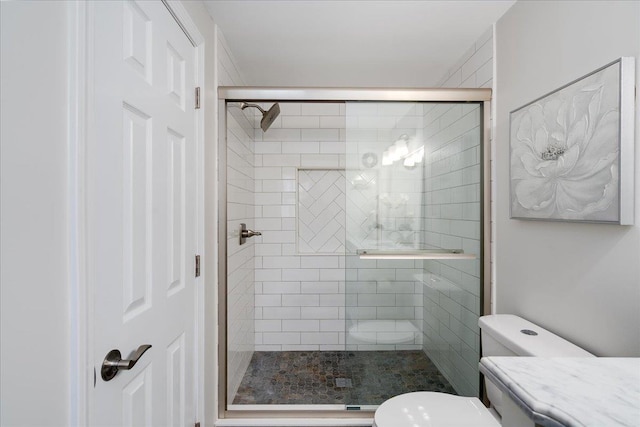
(568, 392)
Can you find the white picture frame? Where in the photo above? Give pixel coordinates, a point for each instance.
(572, 150)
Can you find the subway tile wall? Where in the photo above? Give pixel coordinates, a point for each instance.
(310, 295)
(452, 220)
(240, 207)
(384, 211)
(299, 208)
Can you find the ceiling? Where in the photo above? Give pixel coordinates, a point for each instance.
(351, 43)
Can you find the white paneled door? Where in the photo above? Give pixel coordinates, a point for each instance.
(141, 213)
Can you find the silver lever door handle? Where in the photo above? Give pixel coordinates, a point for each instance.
(113, 362)
(245, 234)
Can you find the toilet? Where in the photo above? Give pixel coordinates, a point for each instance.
(501, 335)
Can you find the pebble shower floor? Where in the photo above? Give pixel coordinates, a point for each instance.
(337, 377)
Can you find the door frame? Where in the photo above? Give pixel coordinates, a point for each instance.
(80, 97)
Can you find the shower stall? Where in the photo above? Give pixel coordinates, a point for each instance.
(353, 246)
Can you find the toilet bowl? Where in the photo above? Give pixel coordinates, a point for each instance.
(433, 409)
(501, 335)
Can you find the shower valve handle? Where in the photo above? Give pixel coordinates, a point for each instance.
(251, 233)
(245, 233)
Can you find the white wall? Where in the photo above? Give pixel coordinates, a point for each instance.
(35, 366)
(581, 281)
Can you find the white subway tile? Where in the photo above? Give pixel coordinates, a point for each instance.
(307, 147)
(279, 237)
(482, 55)
(268, 224)
(268, 198)
(268, 300)
(485, 37)
(319, 262)
(301, 325)
(484, 73)
(289, 172)
(278, 185)
(409, 300)
(332, 300)
(470, 81)
(376, 300)
(264, 147)
(320, 287)
(454, 80)
(280, 159)
(320, 135)
(288, 198)
(268, 275)
(281, 338)
(281, 135)
(281, 313)
(271, 249)
(395, 313)
(319, 312)
(333, 122)
(361, 312)
(300, 122)
(376, 274)
(304, 274)
(268, 326)
(320, 109)
(281, 287)
(290, 108)
(300, 300)
(289, 249)
(279, 211)
(332, 274)
(332, 325)
(319, 338)
(281, 262)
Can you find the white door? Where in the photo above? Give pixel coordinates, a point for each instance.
(141, 213)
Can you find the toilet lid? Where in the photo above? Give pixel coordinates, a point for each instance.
(431, 409)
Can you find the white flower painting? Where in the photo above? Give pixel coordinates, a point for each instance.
(565, 152)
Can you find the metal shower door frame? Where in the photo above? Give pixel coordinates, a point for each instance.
(481, 96)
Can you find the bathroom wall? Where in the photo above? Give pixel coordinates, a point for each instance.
(300, 258)
(240, 207)
(384, 211)
(300, 211)
(36, 280)
(452, 221)
(581, 281)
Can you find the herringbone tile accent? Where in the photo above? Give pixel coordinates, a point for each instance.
(321, 211)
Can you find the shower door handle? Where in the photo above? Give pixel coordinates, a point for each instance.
(245, 233)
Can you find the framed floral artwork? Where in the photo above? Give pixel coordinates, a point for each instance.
(572, 150)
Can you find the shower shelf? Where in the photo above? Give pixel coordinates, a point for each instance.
(415, 254)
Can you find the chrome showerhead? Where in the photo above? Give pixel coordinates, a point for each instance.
(267, 116)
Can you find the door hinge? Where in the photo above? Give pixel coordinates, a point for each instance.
(197, 265)
(197, 98)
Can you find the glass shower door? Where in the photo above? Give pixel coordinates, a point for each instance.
(413, 249)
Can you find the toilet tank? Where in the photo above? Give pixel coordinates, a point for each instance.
(509, 335)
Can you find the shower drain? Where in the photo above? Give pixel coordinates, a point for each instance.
(343, 382)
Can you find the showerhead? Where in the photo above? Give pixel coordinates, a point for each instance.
(267, 116)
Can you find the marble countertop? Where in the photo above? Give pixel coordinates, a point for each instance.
(598, 392)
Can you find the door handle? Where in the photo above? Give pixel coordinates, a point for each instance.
(245, 234)
(113, 362)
